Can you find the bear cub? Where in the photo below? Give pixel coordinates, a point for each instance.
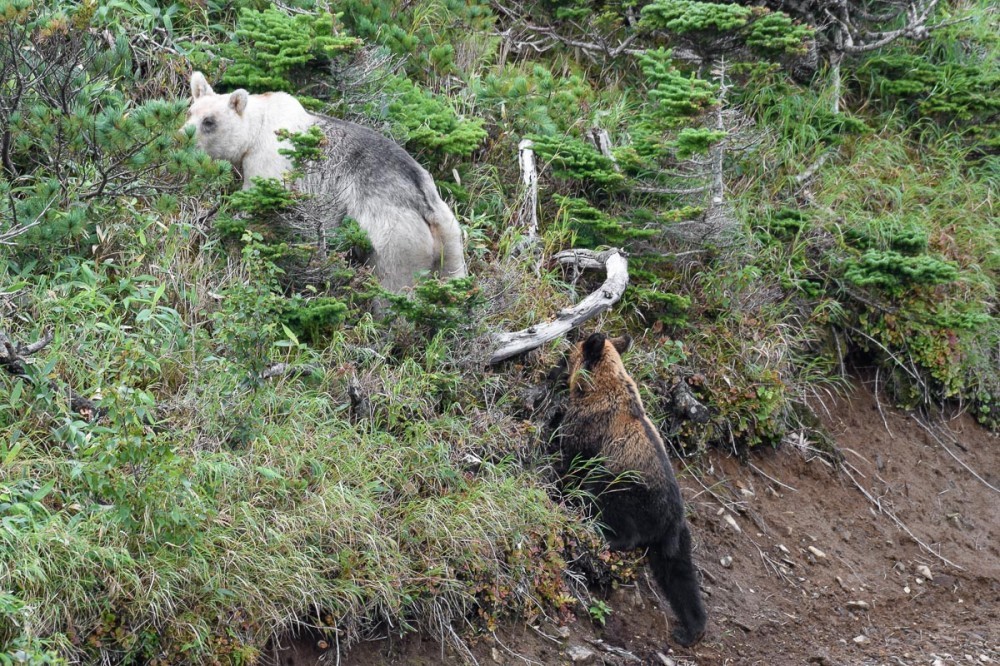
(637, 496)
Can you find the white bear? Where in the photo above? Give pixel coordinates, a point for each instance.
(365, 175)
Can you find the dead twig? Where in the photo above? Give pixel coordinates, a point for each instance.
(289, 370)
(771, 478)
(12, 360)
(611, 649)
(899, 523)
(944, 446)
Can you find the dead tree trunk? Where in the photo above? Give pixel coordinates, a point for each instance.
(529, 176)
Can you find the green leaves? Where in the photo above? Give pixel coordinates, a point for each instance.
(437, 305)
(713, 26)
(572, 159)
(427, 122)
(272, 49)
(895, 272)
(75, 141)
(674, 94)
(687, 16)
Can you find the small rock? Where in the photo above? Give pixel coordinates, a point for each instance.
(782, 548)
(860, 640)
(906, 589)
(665, 660)
(731, 522)
(843, 585)
(919, 580)
(726, 561)
(938, 662)
(862, 605)
(579, 654)
(562, 632)
(495, 653)
(924, 571)
(817, 552)
(944, 580)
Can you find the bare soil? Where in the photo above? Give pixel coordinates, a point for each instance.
(800, 565)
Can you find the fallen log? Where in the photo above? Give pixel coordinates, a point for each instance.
(609, 293)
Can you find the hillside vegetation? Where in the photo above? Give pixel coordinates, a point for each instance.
(212, 431)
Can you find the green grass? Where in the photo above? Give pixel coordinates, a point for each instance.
(211, 508)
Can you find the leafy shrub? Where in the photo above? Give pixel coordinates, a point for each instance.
(950, 91)
(776, 33)
(711, 25)
(675, 94)
(895, 272)
(273, 50)
(594, 227)
(72, 144)
(314, 319)
(426, 34)
(350, 239)
(686, 16)
(527, 98)
(696, 141)
(437, 305)
(425, 121)
(570, 158)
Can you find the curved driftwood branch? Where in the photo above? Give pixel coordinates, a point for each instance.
(607, 295)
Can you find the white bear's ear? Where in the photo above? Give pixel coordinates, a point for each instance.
(199, 86)
(238, 101)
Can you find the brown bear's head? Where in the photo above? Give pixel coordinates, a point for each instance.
(597, 362)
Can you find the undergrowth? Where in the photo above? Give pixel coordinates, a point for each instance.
(279, 443)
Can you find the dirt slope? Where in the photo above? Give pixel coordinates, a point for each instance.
(818, 573)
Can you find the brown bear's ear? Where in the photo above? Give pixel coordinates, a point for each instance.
(622, 343)
(199, 86)
(593, 349)
(238, 101)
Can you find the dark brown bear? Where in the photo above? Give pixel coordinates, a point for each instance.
(637, 495)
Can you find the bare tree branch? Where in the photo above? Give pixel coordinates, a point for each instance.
(13, 362)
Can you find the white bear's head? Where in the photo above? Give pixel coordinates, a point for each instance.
(221, 125)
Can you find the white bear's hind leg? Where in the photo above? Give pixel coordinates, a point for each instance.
(402, 244)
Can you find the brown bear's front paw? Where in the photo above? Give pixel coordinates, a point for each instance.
(688, 638)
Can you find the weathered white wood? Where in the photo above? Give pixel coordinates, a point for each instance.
(603, 142)
(529, 176)
(607, 295)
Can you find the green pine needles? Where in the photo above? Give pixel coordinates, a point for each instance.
(272, 50)
(427, 122)
(769, 33)
(73, 145)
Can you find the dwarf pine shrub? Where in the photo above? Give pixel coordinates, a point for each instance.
(273, 50)
(73, 145)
